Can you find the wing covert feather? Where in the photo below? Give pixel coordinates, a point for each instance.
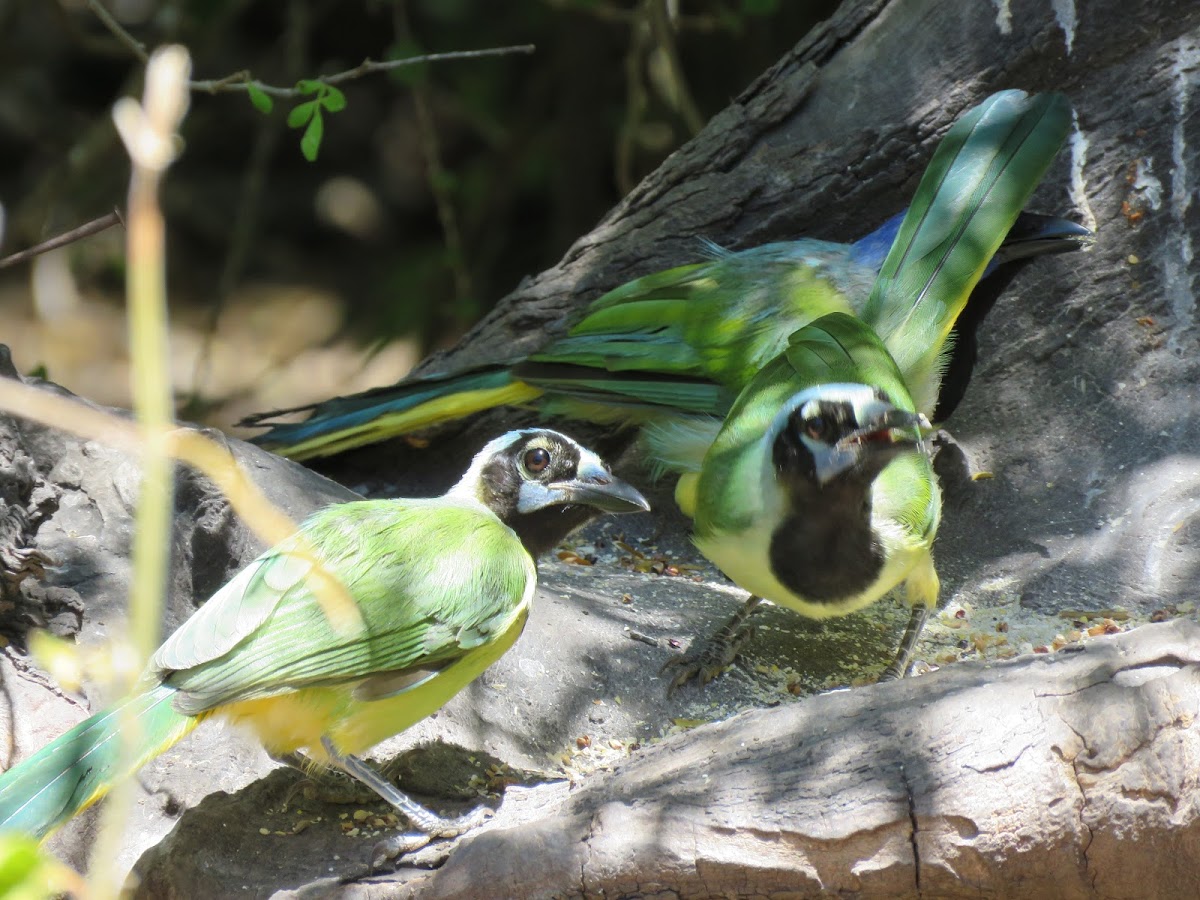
(432, 580)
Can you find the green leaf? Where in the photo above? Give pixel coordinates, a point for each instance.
(28, 873)
(310, 86)
(760, 7)
(261, 100)
(333, 99)
(301, 113)
(311, 142)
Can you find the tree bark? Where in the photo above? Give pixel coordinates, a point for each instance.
(1066, 776)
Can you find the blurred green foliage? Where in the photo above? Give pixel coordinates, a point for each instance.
(29, 873)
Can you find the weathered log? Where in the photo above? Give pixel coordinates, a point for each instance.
(1065, 776)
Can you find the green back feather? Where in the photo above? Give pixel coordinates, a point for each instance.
(711, 326)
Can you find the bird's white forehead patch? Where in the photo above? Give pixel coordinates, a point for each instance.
(590, 465)
(808, 401)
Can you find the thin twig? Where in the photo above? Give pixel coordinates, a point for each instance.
(637, 101)
(664, 33)
(136, 47)
(148, 131)
(75, 234)
(252, 188)
(442, 196)
(242, 81)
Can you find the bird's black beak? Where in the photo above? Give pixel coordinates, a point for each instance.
(888, 428)
(600, 490)
(885, 433)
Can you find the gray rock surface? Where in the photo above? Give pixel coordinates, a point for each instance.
(1026, 778)
(1060, 776)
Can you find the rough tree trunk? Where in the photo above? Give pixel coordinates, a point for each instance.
(1066, 776)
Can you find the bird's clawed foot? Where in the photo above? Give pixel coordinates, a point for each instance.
(706, 659)
(392, 848)
(428, 824)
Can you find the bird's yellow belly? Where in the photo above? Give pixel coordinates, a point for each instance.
(740, 557)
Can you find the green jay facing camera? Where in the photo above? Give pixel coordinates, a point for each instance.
(816, 491)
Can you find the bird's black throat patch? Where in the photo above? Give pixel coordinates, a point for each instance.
(825, 549)
(545, 529)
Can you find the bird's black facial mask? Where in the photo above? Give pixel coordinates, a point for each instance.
(561, 474)
(838, 430)
(543, 485)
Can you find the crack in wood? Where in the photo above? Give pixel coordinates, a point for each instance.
(912, 835)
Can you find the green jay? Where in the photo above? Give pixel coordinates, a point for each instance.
(443, 587)
(816, 491)
(675, 344)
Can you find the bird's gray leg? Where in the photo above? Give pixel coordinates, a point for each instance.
(900, 665)
(429, 824)
(322, 782)
(706, 659)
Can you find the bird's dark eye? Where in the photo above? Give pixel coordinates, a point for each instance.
(816, 428)
(536, 460)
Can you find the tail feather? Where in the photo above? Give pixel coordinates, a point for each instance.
(346, 422)
(74, 771)
(981, 176)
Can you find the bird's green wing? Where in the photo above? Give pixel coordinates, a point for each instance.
(690, 338)
(979, 179)
(432, 579)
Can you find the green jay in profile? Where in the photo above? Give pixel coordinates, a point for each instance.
(816, 491)
(443, 587)
(675, 344)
